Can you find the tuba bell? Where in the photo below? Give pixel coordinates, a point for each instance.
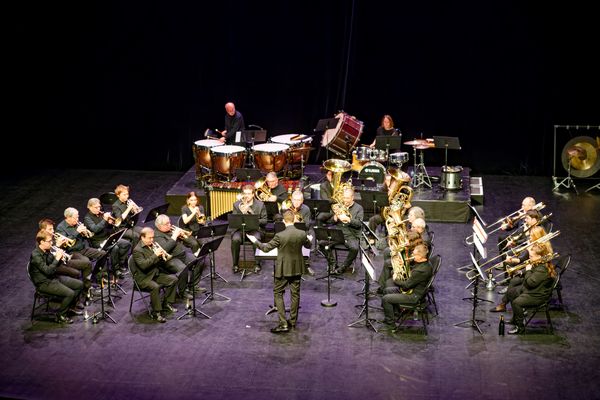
(338, 167)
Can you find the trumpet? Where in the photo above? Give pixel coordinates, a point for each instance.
(111, 218)
(86, 232)
(159, 251)
(246, 207)
(184, 234)
(66, 241)
(510, 219)
(200, 218)
(135, 209)
(511, 271)
(472, 273)
(66, 257)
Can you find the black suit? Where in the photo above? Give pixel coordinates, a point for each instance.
(420, 274)
(148, 275)
(351, 231)
(289, 268)
(257, 208)
(180, 258)
(42, 270)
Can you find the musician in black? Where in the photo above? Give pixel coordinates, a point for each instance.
(350, 224)
(124, 210)
(397, 290)
(246, 205)
(170, 239)
(81, 252)
(47, 225)
(234, 122)
(325, 193)
(42, 270)
(149, 275)
(300, 210)
(102, 226)
(278, 191)
(386, 129)
(516, 222)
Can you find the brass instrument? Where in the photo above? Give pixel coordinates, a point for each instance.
(159, 251)
(287, 203)
(511, 271)
(338, 167)
(135, 209)
(400, 195)
(65, 258)
(246, 207)
(510, 218)
(519, 234)
(86, 232)
(263, 191)
(111, 218)
(200, 218)
(472, 273)
(184, 234)
(297, 215)
(67, 242)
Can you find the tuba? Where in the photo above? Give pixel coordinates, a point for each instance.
(263, 191)
(338, 167)
(399, 195)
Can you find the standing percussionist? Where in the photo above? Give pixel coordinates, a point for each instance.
(234, 122)
(350, 224)
(289, 268)
(246, 205)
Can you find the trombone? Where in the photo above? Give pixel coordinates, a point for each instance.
(66, 241)
(511, 270)
(510, 218)
(473, 272)
(517, 235)
(159, 251)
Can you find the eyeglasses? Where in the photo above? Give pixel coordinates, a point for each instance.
(47, 241)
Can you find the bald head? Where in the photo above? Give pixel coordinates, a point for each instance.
(230, 109)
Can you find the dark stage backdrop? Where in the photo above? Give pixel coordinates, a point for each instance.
(133, 85)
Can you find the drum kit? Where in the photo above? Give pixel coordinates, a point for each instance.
(286, 153)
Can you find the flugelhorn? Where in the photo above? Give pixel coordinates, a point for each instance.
(66, 241)
(263, 191)
(86, 232)
(159, 251)
(66, 257)
(513, 218)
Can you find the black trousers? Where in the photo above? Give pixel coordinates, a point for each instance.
(279, 285)
(65, 287)
(162, 279)
(236, 242)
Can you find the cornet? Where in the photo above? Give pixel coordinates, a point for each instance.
(200, 218)
(159, 251)
(181, 232)
(245, 208)
(66, 241)
(111, 219)
(86, 232)
(66, 257)
(135, 209)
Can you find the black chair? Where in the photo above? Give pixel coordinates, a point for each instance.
(533, 310)
(420, 308)
(562, 263)
(144, 294)
(43, 298)
(436, 262)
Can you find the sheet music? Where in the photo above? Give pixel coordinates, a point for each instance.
(368, 266)
(482, 251)
(477, 266)
(273, 253)
(479, 231)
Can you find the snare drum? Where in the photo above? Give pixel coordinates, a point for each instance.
(299, 149)
(270, 157)
(202, 151)
(362, 153)
(344, 137)
(399, 158)
(225, 159)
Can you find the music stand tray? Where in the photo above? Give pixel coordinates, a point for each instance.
(247, 174)
(156, 211)
(253, 136)
(326, 123)
(446, 143)
(213, 229)
(272, 209)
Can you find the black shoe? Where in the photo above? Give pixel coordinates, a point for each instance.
(158, 317)
(280, 329)
(80, 306)
(291, 325)
(169, 308)
(62, 319)
(198, 289)
(503, 290)
(516, 331)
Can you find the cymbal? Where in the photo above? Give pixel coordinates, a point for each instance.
(424, 146)
(581, 154)
(417, 142)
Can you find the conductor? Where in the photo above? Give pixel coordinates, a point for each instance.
(289, 268)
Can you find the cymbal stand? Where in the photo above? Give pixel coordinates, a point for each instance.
(566, 182)
(596, 186)
(420, 177)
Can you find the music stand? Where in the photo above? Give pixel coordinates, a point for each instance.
(247, 174)
(447, 143)
(316, 206)
(111, 241)
(155, 212)
(272, 209)
(245, 223)
(323, 125)
(332, 237)
(376, 199)
(363, 184)
(210, 231)
(369, 274)
(474, 321)
(193, 311)
(387, 143)
(108, 246)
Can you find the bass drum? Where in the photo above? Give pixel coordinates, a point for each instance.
(270, 157)
(344, 137)
(451, 178)
(226, 159)
(374, 171)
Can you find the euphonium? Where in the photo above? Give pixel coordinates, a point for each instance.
(263, 191)
(338, 167)
(159, 251)
(287, 203)
(66, 257)
(67, 242)
(86, 232)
